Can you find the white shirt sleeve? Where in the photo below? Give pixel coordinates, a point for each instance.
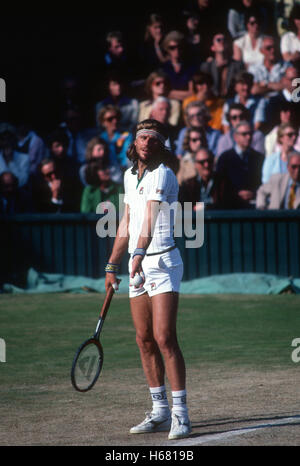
(160, 185)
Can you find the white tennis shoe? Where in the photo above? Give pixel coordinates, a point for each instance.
(153, 423)
(180, 428)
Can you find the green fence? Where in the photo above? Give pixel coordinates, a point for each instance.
(234, 241)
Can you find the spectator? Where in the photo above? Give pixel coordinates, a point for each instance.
(158, 85)
(277, 162)
(247, 47)
(193, 36)
(286, 115)
(151, 52)
(221, 67)
(78, 136)
(116, 58)
(52, 193)
(197, 115)
(118, 97)
(290, 41)
(239, 170)
(236, 114)
(101, 188)
(194, 139)
(211, 14)
(161, 109)
(282, 191)
(267, 75)
(58, 143)
(256, 105)
(203, 186)
(275, 102)
(13, 200)
(30, 143)
(236, 17)
(118, 142)
(202, 88)
(97, 149)
(177, 67)
(11, 160)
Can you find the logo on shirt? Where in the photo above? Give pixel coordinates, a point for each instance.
(141, 191)
(159, 191)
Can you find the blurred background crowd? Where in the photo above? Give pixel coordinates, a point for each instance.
(222, 76)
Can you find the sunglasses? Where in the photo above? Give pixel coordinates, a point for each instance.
(220, 39)
(202, 162)
(245, 133)
(111, 118)
(159, 83)
(269, 47)
(235, 117)
(195, 115)
(252, 22)
(173, 47)
(291, 134)
(294, 167)
(49, 175)
(195, 139)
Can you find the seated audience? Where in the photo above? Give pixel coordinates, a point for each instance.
(118, 141)
(30, 143)
(118, 97)
(282, 191)
(277, 162)
(97, 149)
(13, 200)
(161, 109)
(11, 160)
(290, 41)
(58, 143)
(221, 67)
(286, 115)
(194, 139)
(247, 47)
(239, 170)
(77, 134)
(158, 85)
(268, 74)
(52, 192)
(236, 17)
(256, 105)
(275, 102)
(151, 53)
(101, 188)
(237, 113)
(202, 88)
(194, 38)
(203, 186)
(177, 66)
(197, 115)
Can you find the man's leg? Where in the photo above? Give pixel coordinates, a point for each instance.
(160, 418)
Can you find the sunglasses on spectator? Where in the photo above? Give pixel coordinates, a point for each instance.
(235, 117)
(159, 83)
(202, 162)
(111, 118)
(245, 133)
(194, 115)
(269, 47)
(252, 22)
(195, 139)
(174, 47)
(294, 167)
(49, 174)
(220, 39)
(291, 134)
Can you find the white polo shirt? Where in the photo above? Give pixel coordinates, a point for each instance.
(161, 185)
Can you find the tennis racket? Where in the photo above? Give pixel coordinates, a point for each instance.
(88, 360)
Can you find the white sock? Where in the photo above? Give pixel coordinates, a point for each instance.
(179, 403)
(159, 400)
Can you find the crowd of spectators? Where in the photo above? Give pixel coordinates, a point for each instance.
(223, 84)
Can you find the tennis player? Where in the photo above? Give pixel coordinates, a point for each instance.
(146, 229)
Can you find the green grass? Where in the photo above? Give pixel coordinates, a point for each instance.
(42, 333)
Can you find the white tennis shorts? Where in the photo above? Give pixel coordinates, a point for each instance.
(163, 273)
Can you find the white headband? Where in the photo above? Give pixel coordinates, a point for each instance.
(151, 132)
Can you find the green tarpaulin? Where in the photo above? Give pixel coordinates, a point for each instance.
(242, 283)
